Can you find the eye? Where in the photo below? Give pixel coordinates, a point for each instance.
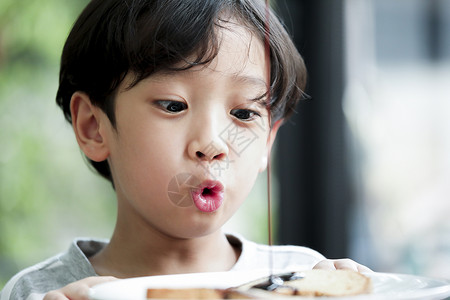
(172, 106)
(244, 114)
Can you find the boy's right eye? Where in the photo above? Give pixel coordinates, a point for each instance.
(171, 105)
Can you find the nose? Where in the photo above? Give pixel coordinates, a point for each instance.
(206, 143)
(210, 153)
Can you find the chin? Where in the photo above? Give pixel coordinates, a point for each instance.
(201, 228)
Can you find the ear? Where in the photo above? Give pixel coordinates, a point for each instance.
(270, 141)
(86, 122)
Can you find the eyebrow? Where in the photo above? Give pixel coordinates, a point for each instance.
(250, 80)
(255, 81)
(246, 79)
(238, 77)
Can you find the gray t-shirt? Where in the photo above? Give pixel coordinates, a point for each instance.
(34, 282)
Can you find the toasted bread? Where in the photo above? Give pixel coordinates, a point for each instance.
(315, 283)
(193, 293)
(331, 283)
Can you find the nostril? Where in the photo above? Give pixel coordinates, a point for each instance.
(218, 156)
(199, 154)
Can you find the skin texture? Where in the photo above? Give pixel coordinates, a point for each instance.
(191, 122)
(180, 123)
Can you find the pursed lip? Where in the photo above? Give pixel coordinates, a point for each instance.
(208, 195)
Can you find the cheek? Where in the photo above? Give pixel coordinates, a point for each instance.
(144, 162)
(243, 179)
(248, 163)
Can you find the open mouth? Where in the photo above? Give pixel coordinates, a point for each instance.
(207, 192)
(208, 196)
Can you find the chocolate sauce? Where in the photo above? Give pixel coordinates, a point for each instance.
(271, 282)
(276, 281)
(291, 276)
(269, 96)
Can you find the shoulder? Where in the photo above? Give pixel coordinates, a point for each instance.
(35, 279)
(282, 257)
(53, 273)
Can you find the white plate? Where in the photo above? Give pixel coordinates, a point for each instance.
(385, 285)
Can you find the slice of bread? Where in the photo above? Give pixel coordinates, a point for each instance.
(196, 293)
(193, 293)
(331, 283)
(315, 283)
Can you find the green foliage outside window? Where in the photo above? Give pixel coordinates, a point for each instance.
(42, 173)
(48, 195)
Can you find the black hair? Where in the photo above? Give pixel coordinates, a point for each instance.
(113, 38)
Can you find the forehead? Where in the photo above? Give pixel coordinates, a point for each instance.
(240, 58)
(239, 50)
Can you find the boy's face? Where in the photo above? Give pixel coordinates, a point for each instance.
(188, 145)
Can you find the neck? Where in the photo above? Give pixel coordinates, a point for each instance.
(144, 251)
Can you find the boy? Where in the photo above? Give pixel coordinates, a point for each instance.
(176, 103)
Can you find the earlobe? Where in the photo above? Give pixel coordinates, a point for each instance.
(86, 121)
(270, 141)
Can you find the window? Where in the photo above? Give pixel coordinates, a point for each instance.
(397, 104)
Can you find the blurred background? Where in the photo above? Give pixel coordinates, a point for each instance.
(361, 171)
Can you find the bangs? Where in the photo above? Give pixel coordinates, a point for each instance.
(115, 38)
(186, 41)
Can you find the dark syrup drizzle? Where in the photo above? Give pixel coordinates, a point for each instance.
(274, 281)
